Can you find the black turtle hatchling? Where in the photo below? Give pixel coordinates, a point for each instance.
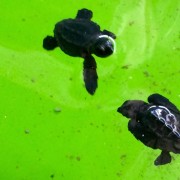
(81, 37)
(156, 124)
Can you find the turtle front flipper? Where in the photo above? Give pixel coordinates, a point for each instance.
(84, 14)
(90, 74)
(163, 158)
(108, 33)
(49, 43)
(158, 99)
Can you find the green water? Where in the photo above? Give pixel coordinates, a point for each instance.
(87, 139)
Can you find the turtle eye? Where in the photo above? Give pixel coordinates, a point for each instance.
(128, 107)
(103, 50)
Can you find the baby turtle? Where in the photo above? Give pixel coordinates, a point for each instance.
(156, 124)
(81, 37)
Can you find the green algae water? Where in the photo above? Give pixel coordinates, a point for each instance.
(50, 127)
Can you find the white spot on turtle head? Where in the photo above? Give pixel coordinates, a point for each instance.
(111, 39)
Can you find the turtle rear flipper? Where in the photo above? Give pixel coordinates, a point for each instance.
(49, 43)
(84, 14)
(163, 158)
(90, 74)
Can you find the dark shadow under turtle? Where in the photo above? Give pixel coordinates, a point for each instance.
(81, 37)
(156, 124)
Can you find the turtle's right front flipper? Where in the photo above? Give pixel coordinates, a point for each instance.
(49, 43)
(90, 74)
(158, 99)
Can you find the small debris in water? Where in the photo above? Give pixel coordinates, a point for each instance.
(118, 174)
(52, 176)
(123, 156)
(78, 158)
(71, 157)
(146, 73)
(57, 109)
(33, 80)
(91, 124)
(126, 66)
(131, 23)
(27, 131)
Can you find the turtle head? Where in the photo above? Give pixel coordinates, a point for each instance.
(104, 46)
(131, 108)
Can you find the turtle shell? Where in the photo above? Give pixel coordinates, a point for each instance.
(153, 132)
(166, 117)
(75, 36)
(154, 136)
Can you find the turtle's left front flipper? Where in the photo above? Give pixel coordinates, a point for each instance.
(84, 14)
(90, 74)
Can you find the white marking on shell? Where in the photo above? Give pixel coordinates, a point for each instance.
(167, 118)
